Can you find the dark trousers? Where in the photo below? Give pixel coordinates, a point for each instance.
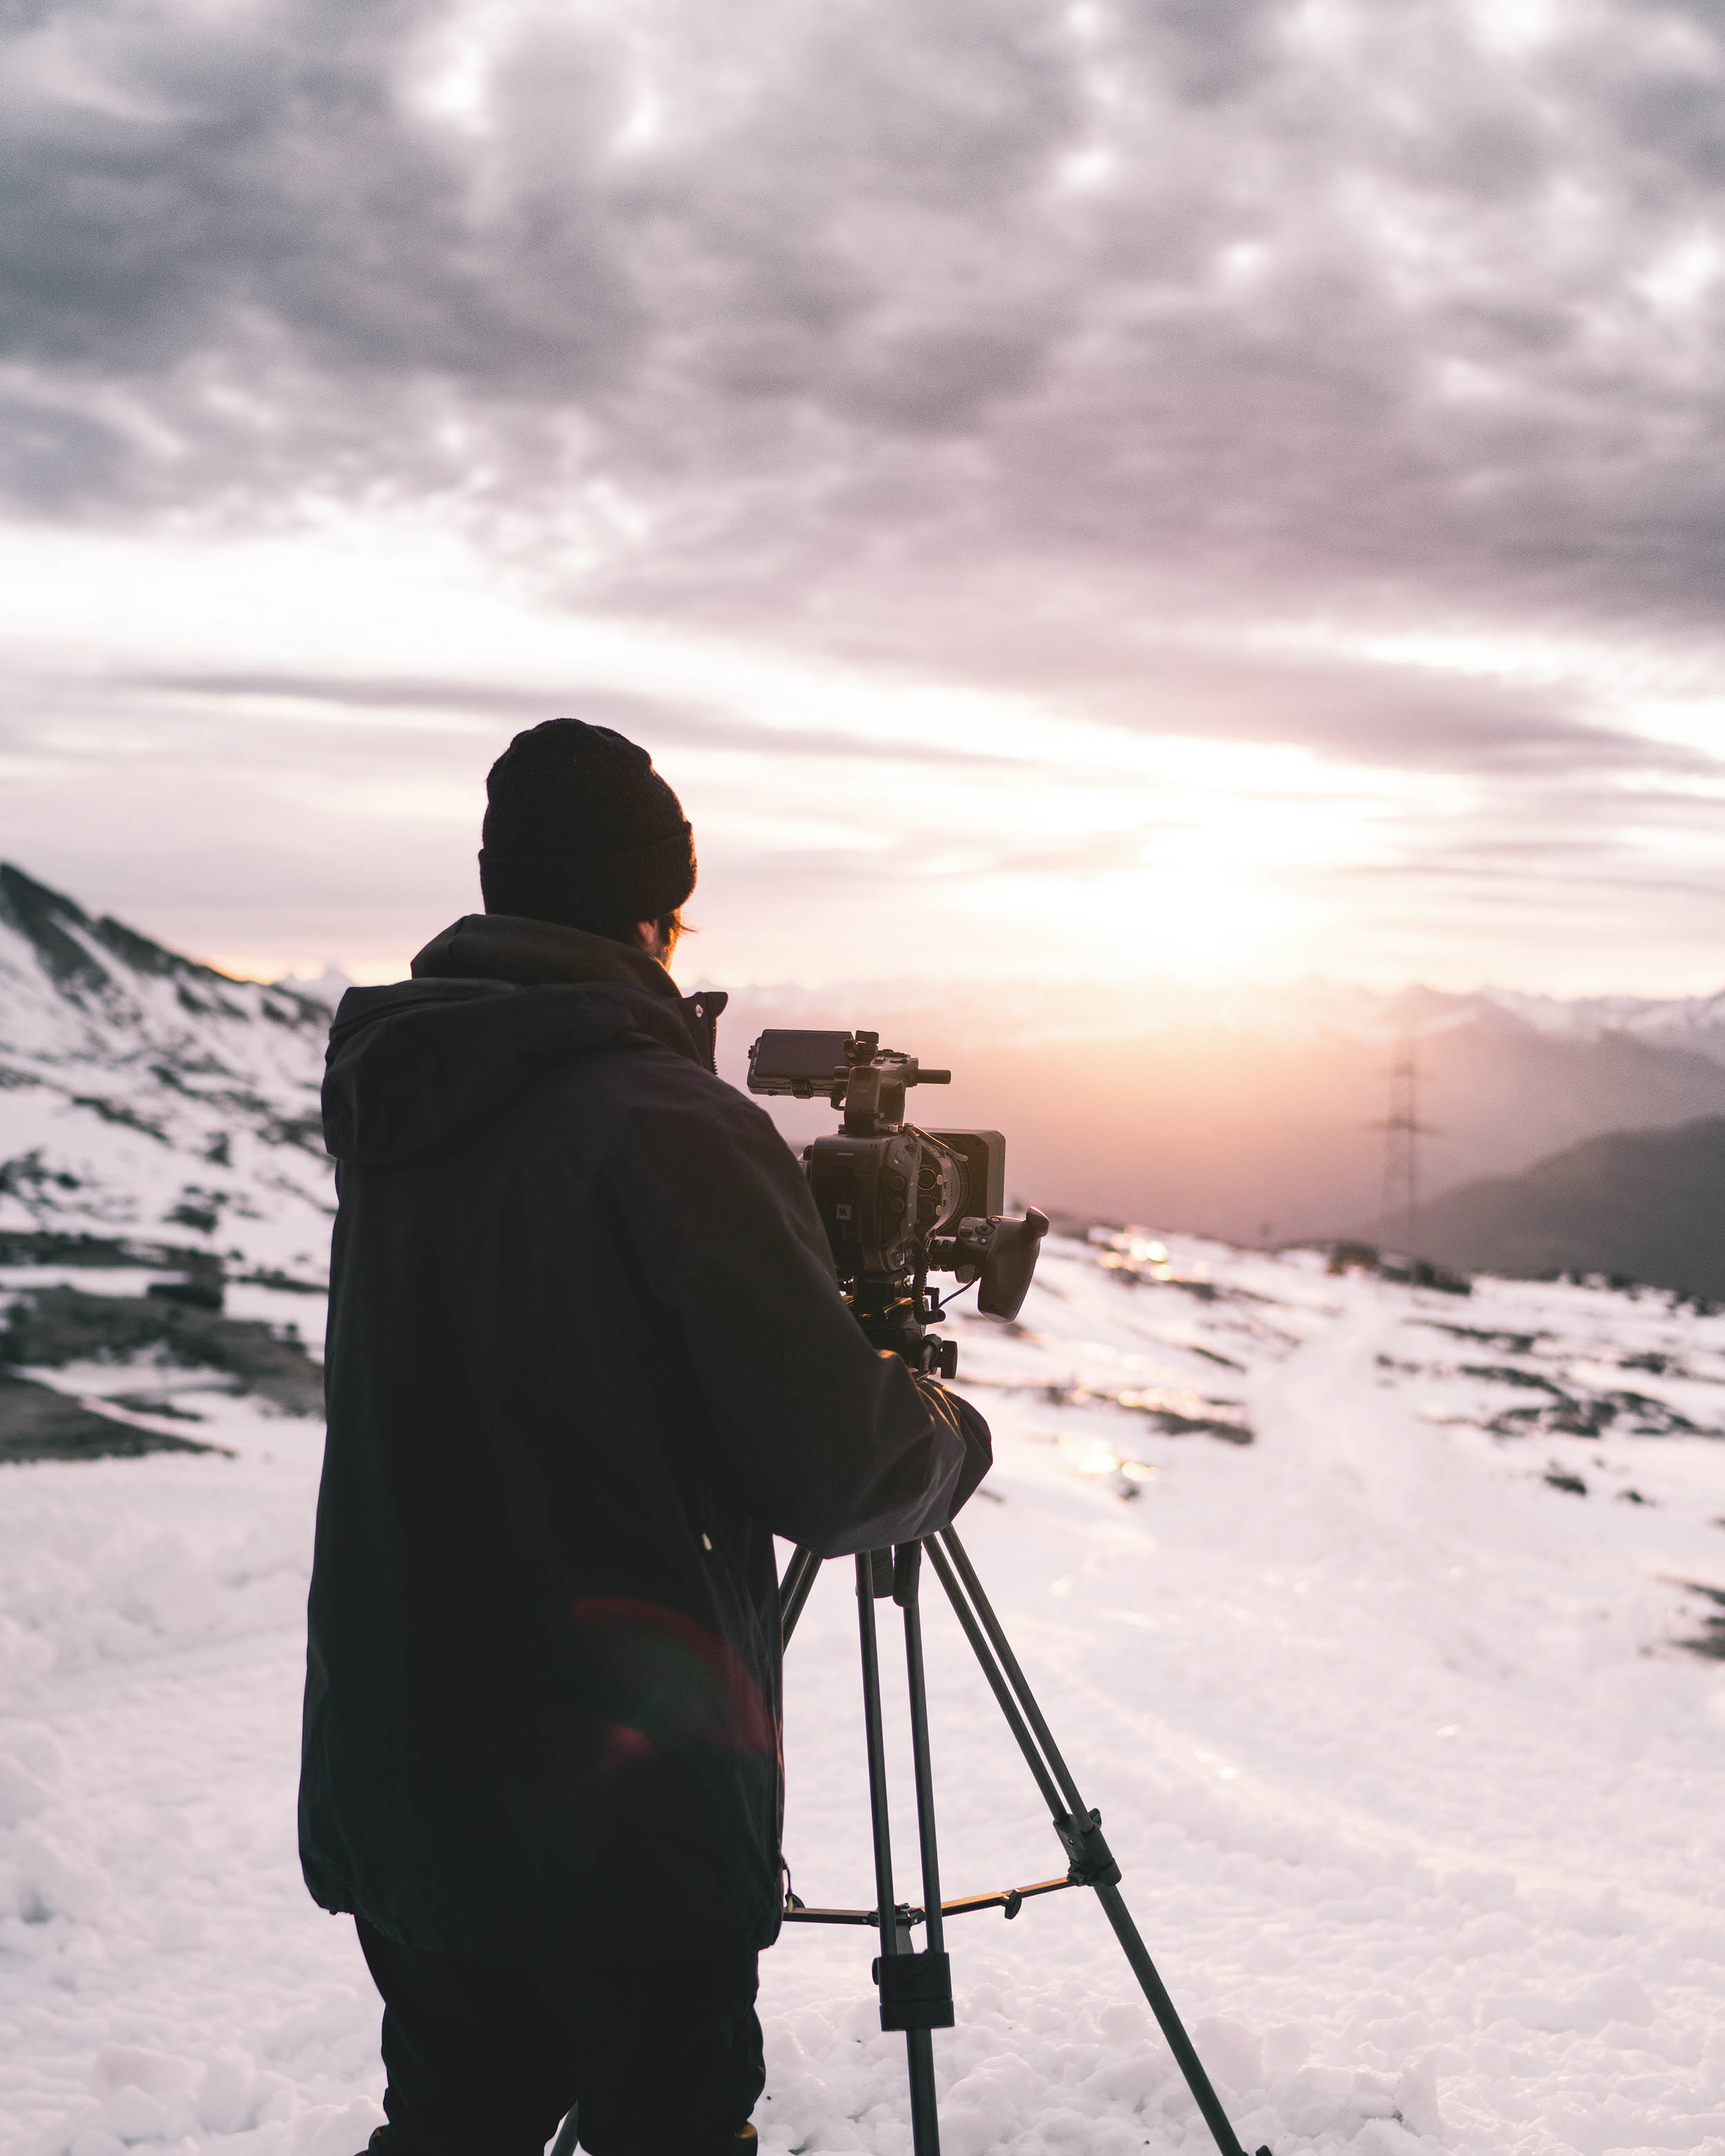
(484, 2058)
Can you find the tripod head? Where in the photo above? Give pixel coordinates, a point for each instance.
(899, 1203)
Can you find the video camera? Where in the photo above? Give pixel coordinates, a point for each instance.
(899, 1203)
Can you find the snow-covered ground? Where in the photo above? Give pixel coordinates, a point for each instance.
(1414, 1784)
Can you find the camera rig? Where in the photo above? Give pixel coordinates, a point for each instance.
(899, 1203)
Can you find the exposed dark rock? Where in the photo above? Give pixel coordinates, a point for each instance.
(195, 1294)
(53, 1247)
(1507, 1343)
(1710, 1640)
(202, 1219)
(1573, 1483)
(140, 952)
(118, 1111)
(1591, 1415)
(37, 1423)
(1358, 1257)
(43, 915)
(285, 1283)
(306, 1132)
(1179, 1426)
(1505, 1373)
(26, 1176)
(50, 1328)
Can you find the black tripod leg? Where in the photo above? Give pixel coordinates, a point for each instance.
(799, 1577)
(936, 1983)
(875, 1742)
(1079, 1829)
(1172, 2028)
(904, 1593)
(896, 1945)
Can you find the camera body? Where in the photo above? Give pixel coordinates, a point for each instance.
(898, 1202)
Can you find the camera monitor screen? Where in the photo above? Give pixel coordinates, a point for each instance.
(800, 1064)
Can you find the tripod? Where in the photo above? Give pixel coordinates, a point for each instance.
(916, 1988)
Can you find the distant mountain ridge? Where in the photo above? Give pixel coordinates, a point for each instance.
(147, 1096)
(1694, 1022)
(1039, 1015)
(1643, 1205)
(1258, 1118)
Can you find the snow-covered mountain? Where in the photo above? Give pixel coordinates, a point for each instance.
(148, 1098)
(1696, 1023)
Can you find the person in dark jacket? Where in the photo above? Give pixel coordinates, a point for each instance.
(587, 1357)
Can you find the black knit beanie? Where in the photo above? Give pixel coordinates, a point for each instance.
(581, 829)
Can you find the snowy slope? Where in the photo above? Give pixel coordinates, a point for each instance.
(144, 1096)
(1414, 1784)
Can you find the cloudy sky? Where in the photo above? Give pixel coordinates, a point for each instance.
(1207, 489)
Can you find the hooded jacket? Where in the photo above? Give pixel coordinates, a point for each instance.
(587, 1356)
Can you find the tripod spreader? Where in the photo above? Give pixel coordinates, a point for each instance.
(1008, 1899)
(915, 1989)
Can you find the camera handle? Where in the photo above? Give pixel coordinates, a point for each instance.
(915, 1989)
(998, 1255)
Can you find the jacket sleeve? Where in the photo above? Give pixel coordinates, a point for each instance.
(836, 1445)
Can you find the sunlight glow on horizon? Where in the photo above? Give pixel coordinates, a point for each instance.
(1028, 831)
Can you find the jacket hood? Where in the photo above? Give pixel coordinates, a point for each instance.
(505, 946)
(495, 1003)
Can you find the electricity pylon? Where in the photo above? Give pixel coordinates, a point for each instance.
(1403, 1130)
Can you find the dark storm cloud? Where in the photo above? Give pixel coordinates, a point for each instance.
(188, 186)
(926, 329)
